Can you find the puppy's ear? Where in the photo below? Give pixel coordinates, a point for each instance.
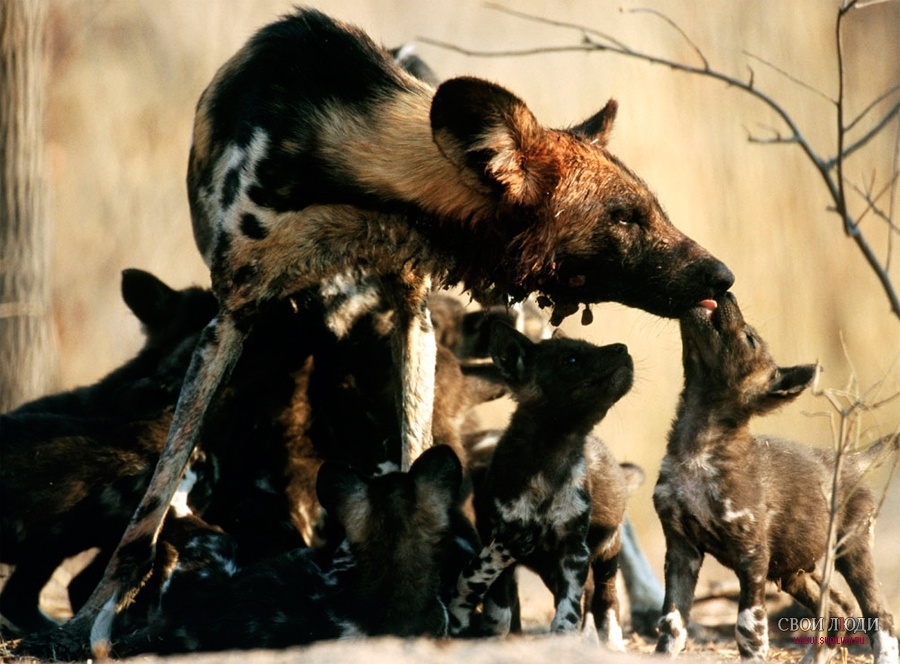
(438, 468)
(598, 127)
(634, 476)
(510, 352)
(494, 140)
(148, 297)
(789, 382)
(786, 385)
(343, 493)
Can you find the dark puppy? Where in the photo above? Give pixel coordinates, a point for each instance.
(74, 465)
(401, 547)
(534, 504)
(757, 504)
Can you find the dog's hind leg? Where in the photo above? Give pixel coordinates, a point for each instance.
(682, 566)
(806, 588)
(215, 355)
(415, 352)
(857, 566)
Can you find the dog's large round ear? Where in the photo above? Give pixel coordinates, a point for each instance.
(598, 127)
(340, 490)
(439, 467)
(148, 297)
(494, 140)
(509, 351)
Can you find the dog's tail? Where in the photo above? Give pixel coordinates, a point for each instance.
(874, 455)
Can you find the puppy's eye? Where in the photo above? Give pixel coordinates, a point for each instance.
(750, 340)
(570, 359)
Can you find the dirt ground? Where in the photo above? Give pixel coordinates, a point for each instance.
(712, 629)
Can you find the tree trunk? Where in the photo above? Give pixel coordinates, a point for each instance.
(27, 347)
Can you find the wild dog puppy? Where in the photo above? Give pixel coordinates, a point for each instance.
(313, 152)
(756, 503)
(74, 465)
(609, 484)
(385, 578)
(534, 504)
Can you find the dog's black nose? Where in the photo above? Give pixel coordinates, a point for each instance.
(719, 278)
(617, 349)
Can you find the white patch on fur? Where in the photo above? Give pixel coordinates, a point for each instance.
(884, 647)
(748, 621)
(612, 632)
(589, 632)
(101, 630)
(179, 503)
(350, 630)
(702, 462)
(488, 441)
(386, 467)
(497, 619)
(564, 503)
(419, 356)
(356, 295)
(672, 630)
(731, 515)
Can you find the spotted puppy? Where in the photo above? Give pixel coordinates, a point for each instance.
(757, 504)
(534, 505)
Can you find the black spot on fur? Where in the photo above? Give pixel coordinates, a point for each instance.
(230, 187)
(252, 228)
(243, 274)
(750, 634)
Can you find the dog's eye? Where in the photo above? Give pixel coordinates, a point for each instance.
(621, 214)
(750, 340)
(570, 359)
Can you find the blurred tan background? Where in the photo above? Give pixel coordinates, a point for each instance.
(125, 75)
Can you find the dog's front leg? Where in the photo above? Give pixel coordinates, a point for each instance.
(415, 351)
(474, 582)
(682, 566)
(752, 629)
(500, 604)
(571, 574)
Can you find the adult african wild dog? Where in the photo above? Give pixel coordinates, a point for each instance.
(313, 152)
(756, 503)
(535, 504)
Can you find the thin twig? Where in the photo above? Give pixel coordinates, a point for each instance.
(790, 77)
(677, 28)
(880, 98)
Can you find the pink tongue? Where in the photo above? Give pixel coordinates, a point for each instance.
(709, 305)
